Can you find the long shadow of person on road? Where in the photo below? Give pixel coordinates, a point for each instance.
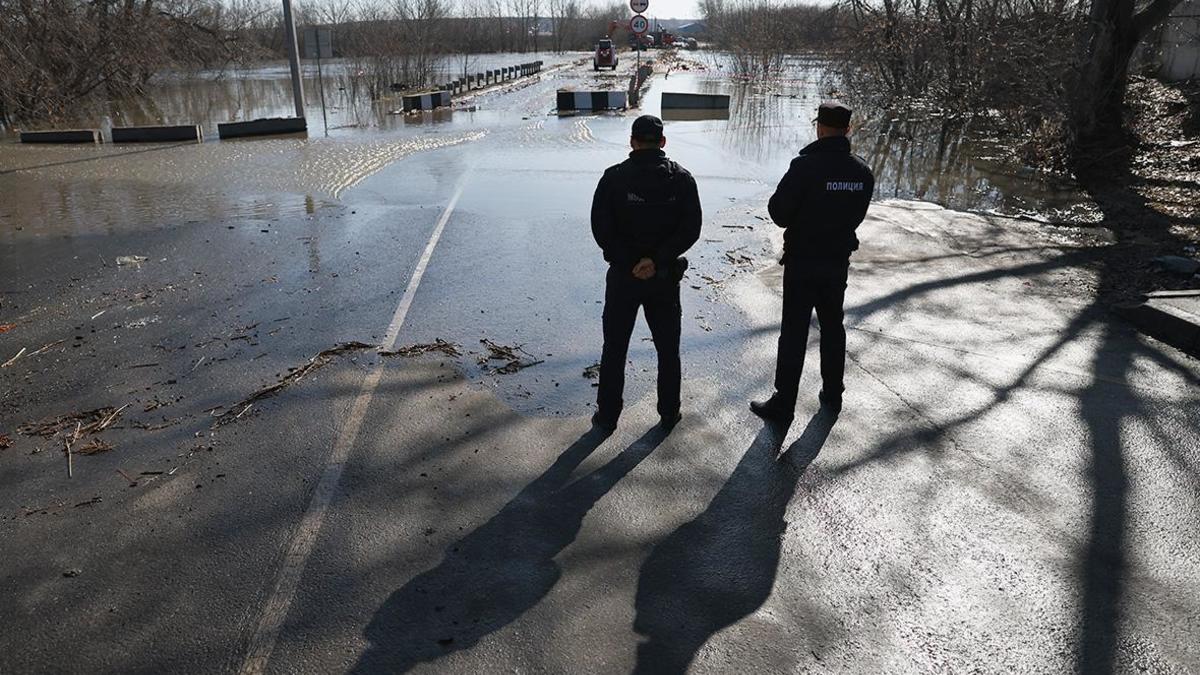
(499, 571)
(720, 567)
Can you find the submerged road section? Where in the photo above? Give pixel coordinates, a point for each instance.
(333, 416)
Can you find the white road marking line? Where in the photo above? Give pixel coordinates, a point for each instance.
(265, 636)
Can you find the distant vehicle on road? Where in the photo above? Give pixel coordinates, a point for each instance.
(606, 55)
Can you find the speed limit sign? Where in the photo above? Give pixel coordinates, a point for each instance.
(639, 6)
(638, 24)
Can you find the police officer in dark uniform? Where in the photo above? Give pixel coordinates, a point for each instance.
(820, 202)
(645, 215)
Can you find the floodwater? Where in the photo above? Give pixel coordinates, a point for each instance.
(50, 190)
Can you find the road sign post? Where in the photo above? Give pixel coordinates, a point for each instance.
(638, 25)
(289, 36)
(318, 44)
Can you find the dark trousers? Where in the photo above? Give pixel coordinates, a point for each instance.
(659, 299)
(809, 285)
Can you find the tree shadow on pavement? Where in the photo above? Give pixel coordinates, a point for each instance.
(719, 568)
(1103, 565)
(499, 571)
(1108, 402)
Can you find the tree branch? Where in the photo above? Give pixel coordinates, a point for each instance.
(1152, 15)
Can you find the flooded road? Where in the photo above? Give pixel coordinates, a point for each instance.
(56, 190)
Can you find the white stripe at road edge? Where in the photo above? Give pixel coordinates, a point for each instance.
(263, 641)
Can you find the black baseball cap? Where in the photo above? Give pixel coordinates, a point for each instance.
(833, 114)
(647, 128)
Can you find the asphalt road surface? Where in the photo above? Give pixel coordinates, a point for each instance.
(1011, 487)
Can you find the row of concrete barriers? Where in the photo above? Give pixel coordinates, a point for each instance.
(276, 125)
(490, 77)
(181, 133)
(440, 95)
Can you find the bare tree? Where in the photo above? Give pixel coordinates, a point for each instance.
(564, 16)
(56, 53)
(1116, 27)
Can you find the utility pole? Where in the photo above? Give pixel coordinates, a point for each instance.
(289, 36)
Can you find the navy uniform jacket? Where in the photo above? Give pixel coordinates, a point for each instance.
(821, 201)
(646, 207)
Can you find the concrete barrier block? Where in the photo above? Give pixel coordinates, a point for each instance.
(694, 114)
(263, 127)
(1170, 316)
(679, 100)
(570, 101)
(435, 116)
(62, 136)
(425, 101)
(158, 134)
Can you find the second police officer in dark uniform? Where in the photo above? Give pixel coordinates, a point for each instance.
(645, 215)
(820, 202)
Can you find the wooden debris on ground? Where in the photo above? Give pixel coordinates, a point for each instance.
(90, 421)
(439, 345)
(240, 408)
(94, 447)
(512, 356)
(5, 442)
(85, 423)
(736, 257)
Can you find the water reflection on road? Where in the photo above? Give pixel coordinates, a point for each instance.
(61, 190)
(929, 159)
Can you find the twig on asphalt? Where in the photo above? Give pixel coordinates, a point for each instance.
(48, 428)
(240, 408)
(67, 443)
(512, 356)
(438, 345)
(106, 422)
(94, 447)
(44, 348)
(13, 359)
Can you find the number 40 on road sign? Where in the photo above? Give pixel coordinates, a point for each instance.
(638, 24)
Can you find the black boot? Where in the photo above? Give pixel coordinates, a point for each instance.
(774, 409)
(604, 422)
(830, 401)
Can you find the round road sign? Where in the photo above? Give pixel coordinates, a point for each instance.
(639, 25)
(639, 6)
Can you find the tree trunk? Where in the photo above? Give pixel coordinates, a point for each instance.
(1115, 33)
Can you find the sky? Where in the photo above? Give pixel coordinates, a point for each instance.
(673, 9)
(690, 9)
